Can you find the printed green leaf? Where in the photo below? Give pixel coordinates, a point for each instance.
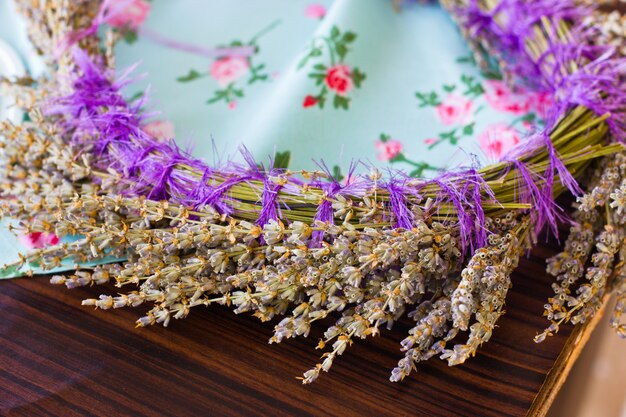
(337, 173)
(334, 32)
(492, 75)
(136, 96)
(342, 50)
(449, 88)
(348, 37)
(256, 74)
(473, 87)
(282, 159)
(450, 136)
(304, 61)
(468, 130)
(467, 60)
(219, 95)
(321, 99)
(340, 102)
(384, 137)
(428, 99)
(417, 172)
(256, 77)
(357, 77)
(314, 52)
(130, 36)
(399, 158)
(192, 75)
(420, 167)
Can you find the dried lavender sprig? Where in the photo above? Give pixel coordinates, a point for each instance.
(489, 277)
(587, 299)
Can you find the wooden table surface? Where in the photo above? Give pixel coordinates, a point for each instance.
(59, 358)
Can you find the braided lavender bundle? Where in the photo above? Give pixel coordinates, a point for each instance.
(303, 246)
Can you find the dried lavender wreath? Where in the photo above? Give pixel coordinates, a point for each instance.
(301, 245)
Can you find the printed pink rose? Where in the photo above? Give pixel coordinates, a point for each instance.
(541, 103)
(37, 240)
(128, 13)
(454, 110)
(339, 80)
(497, 139)
(501, 98)
(229, 69)
(160, 129)
(527, 125)
(315, 11)
(430, 141)
(388, 150)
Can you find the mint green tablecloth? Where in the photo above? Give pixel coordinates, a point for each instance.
(398, 89)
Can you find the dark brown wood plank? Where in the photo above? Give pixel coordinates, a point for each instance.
(59, 358)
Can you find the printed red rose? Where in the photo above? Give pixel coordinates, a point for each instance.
(38, 240)
(309, 101)
(339, 79)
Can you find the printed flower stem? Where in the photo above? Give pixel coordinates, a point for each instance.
(331, 51)
(264, 31)
(420, 167)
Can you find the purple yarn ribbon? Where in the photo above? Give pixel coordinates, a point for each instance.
(235, 51)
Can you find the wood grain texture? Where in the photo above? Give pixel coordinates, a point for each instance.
(59, 358)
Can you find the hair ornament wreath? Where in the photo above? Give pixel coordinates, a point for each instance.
(306, 246)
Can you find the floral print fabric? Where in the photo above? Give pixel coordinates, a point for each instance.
(333, 81)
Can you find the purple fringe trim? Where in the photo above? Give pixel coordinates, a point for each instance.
(402, 214)
(100, 121)
(468, 202)
(331, 188)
